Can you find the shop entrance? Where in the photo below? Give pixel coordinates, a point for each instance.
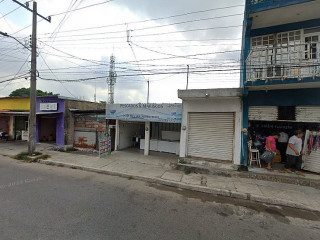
(130, 134)
(21, 124)
(48, 128)
(211, 136)
(266, 120)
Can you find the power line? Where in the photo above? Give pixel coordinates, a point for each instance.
(56, 76)
(96, 4)
(154, 27)
(151, 34)
(154, 19)
(9, 12)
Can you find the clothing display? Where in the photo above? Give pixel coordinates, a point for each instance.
(313, 142)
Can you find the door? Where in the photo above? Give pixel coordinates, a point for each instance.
(211, 136)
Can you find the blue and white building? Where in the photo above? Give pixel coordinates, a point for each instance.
(281, 66)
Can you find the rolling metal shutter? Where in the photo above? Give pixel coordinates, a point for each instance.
(308, 114)
(211, 135)
(263, 113)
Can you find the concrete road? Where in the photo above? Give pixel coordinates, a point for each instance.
(46, 202)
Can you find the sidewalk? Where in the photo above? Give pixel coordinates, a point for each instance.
(159, 168)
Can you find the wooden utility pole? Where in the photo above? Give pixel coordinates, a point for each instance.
(33, 81)
(148, 91)
(187, 78)
(33, 84)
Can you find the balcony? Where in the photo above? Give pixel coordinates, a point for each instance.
(299, 61)
(263, 5)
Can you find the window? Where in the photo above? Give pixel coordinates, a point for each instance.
(310, 47)
(287, 113)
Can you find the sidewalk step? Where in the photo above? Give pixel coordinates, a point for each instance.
(251, 174)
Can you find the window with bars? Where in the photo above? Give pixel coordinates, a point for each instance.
(311, 47)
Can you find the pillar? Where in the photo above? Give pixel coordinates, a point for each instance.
(147, 139)
(117, 137)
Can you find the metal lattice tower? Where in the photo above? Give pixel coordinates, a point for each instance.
(112, 79)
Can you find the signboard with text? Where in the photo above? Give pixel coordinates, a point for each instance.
(153, 112)
(104, 145)
(48, 106)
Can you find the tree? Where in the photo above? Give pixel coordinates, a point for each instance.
(25, 92)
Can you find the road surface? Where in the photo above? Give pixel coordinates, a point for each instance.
(46, 202)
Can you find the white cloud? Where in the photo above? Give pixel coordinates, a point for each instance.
(163, 88)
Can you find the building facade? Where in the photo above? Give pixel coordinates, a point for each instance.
(211, 125)
(281, 67)
(14, 112)
(55, 118)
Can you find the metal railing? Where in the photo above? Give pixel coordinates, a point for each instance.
(270, 63)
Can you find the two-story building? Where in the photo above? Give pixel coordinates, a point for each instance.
(281, 67)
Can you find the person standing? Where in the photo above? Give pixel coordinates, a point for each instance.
(294, 149)
(272, 147)
(282, 145)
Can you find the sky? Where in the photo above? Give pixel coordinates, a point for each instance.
(152, 40)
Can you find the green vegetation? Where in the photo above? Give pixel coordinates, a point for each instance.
(25, 92)
(182, 161)
(24, 156)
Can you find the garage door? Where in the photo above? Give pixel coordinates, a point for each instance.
(211, 135)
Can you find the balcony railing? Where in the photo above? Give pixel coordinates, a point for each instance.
(271, 63)
(261, 5)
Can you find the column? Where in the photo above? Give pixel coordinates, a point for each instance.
(147, 139)
(117, 137)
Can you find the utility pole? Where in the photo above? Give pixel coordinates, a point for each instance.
(187, 77)
(33, 80)
(148, 91)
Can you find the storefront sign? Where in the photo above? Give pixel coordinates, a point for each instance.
(24, 135)
(48, 106)
(164, 112)
(104, 146)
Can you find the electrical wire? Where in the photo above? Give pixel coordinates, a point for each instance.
(154, 19)
(10, 12)
(96, 4)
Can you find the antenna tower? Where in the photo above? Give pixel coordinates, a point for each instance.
(112, 79)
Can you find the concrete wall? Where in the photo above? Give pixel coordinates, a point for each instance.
(213, 105)
(69, 118)
(127, 131)
(85, 139)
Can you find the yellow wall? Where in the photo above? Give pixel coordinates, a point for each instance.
(15, 104)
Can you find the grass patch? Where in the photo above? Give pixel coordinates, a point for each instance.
(24, 156)
(182, 161)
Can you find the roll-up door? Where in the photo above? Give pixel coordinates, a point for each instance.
(308, 114)
(263, 113)
(211, 135)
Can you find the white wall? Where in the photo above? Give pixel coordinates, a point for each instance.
(213, 105)
(127, 130)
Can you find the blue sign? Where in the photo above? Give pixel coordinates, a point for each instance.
(153, 112)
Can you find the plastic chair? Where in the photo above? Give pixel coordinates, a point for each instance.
(254, 154)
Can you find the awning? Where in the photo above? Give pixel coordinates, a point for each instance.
(27, 113)
(47, 113)
(15, 113)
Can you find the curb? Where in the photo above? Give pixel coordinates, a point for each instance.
(252, 175)
(202, 189)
